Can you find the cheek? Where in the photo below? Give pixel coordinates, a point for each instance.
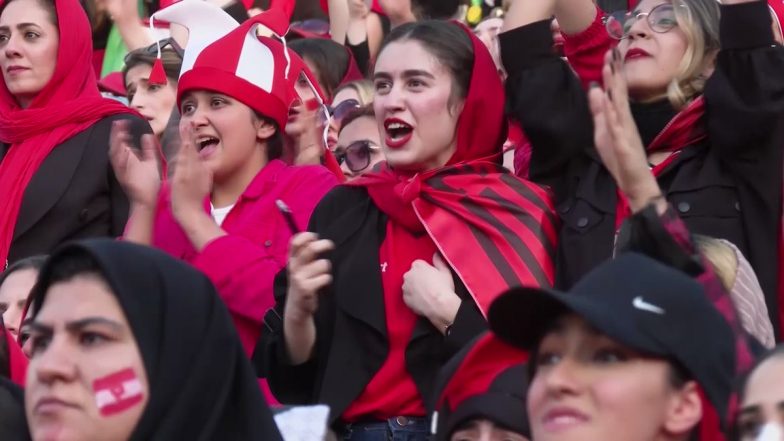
(536, 398)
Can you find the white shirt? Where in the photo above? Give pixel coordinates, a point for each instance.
(219, 214)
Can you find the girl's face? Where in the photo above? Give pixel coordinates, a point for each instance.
(359, 144)
(481, 429)
(28, 49)
(589, 387)
(415, 110)
(155, 102)
(13, 297)
(651, 59)
(226, 132)
(86, 379)
(762, 409)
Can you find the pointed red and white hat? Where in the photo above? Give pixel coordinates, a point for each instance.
(226, 57)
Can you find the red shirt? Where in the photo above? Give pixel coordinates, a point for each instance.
(392, 392)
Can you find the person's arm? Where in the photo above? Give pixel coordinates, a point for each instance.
(544, 95)
(125, 15)
(398, 11)
(585, 49)
(338, 20)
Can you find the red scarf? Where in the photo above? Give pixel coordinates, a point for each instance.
(685, 130)
(495, 230)
(67, 105)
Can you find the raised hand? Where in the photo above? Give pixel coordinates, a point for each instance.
(138, 173)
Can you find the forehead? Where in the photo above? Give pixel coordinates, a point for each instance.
(24, 11)
(407, 55)
(766, 384)
(364, 127)
(647, 5)
(77, 298)
(18, 283)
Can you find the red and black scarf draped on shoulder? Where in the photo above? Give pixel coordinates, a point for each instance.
(495, 230)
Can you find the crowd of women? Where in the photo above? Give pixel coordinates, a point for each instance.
(539, 220)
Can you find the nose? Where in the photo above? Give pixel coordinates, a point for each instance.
(138, 101)
(392, 101)
(11, 49)
(562, 378)
(54, 363)
(640, 27)
(198, 118)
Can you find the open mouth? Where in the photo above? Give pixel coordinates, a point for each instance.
(207, 145)
(397, 133)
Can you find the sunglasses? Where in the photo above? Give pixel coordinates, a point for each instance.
(153, 49)
(341, 111)
(356, 155)
(312, 26)
(661, 19)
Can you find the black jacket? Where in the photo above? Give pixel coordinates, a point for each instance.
(73, 194)
(351, 342)
(729, 186)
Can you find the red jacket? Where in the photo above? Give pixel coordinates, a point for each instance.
(243, 264)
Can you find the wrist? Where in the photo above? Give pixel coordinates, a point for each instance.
(449, 304)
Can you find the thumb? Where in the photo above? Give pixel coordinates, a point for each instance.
(439, 264)
(149, 148)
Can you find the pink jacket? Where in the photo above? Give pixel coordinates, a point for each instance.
(243, 264)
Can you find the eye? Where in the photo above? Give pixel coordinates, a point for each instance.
(31, 35)
(3, 307)
(217, 102)
(548, 359)
(303, 82)
(607, 356)
(188, 108)
(382, 87)
(154, 87)
(91, 339)
(415, 83)
(39, 343)
(4, 38)
(749, 427)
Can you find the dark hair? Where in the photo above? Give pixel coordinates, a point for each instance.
(330, 58)
(447, 42)
(64, 267)
(30, 263)
(438, 10)
(274, 142)
(47, 5)
(361, 112)
(169, 58)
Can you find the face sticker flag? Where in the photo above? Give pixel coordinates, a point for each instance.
(117, 392)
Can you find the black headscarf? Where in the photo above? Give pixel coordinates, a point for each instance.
(202, 386)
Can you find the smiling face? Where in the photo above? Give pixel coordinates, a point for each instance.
(415, 109)
(86, 379)
(29, 41)
(652, 59)
(154, 101)
(227, 133)
(13, 297)
(763, 401)
(589, 387)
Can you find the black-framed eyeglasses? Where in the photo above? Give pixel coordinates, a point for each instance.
(153, 49)
(661, 19)
(356, 155)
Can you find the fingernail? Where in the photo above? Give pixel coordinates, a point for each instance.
(593, 85)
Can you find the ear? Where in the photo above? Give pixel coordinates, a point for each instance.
(264, 129)
(685, 410)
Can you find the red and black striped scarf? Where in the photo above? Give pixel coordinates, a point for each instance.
(495, 230)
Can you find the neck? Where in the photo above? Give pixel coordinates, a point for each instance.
(227, 191)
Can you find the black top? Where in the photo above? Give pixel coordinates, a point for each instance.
(74, 193)
(729, 186)
(351, 331)
(201, 385)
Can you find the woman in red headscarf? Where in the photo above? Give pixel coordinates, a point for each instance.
(54, 132)
(400, 267)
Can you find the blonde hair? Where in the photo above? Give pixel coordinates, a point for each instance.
(363, 88)
(721, 257)
(699, 21)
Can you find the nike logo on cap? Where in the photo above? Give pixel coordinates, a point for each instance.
(641, 304)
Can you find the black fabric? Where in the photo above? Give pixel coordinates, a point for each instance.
(201, 384)
(74, 193)
(651, 118)
(361, 53)
(351, 332)
(727, 187)
(13, 422)
(640, 303)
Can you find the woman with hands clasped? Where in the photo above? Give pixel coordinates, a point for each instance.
(218, 210)
(401, 264)
(704, 89)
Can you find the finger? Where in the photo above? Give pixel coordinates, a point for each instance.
(149, 148)
(317, 283)
(311, 251)
(118, 136)
(439, 263)
(314, 269)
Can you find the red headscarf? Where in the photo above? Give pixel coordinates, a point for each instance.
(494, 229)
(67, 105)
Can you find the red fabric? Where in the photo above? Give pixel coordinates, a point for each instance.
(67, 105)
(685, 130)
(494, 229)
(710, 424)
(352, 71)
(777, 7)
(392, 391)
(113, 83)
(16, 359)
(586, 50)
(488, 358)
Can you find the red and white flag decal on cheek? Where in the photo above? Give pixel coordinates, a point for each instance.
(117, 392)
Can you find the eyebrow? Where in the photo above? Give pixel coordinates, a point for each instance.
(19, 26)
(749, 410)
(406, 74)
(76, 325)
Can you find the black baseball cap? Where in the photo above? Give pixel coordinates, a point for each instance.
(641, 303)
(488, 380)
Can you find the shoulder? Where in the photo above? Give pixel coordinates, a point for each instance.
(343, 199)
